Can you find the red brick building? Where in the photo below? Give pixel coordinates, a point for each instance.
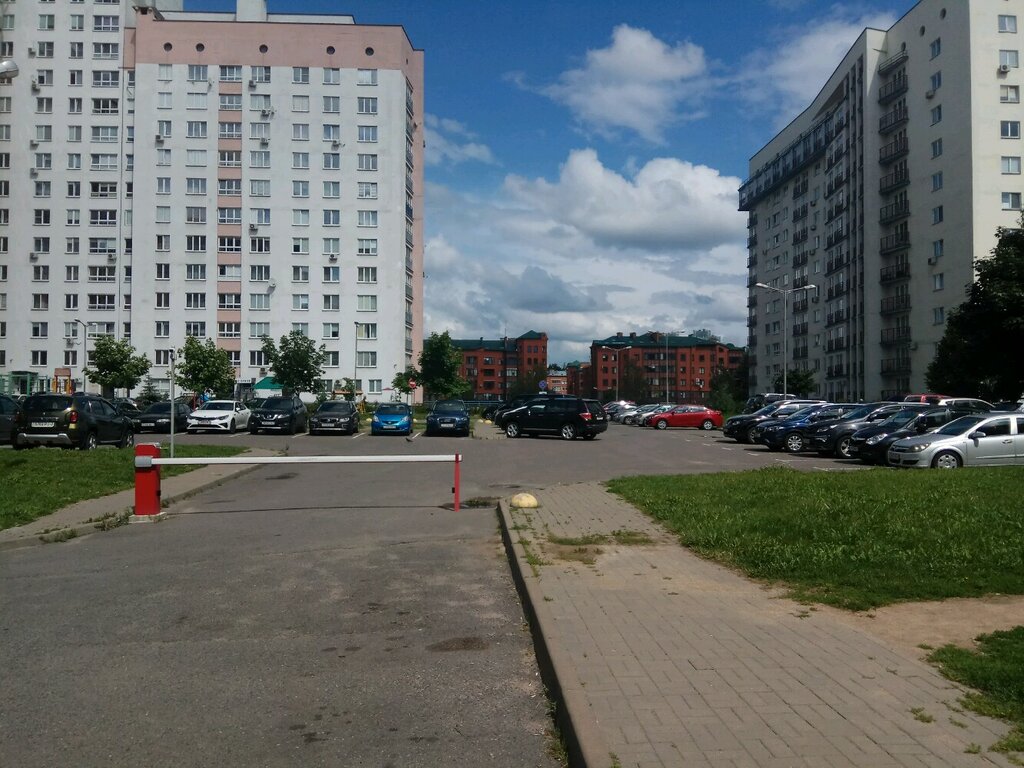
(654, 366)
(493, 366)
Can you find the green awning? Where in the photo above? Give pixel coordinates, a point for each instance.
(267, 382)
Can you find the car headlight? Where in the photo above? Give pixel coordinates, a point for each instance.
(876, 439)
(919, 447)
(404, 420)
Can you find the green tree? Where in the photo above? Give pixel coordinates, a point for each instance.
(980, 351)
(439, 367)
(406, 381)
(202, 366)
(297, 364)
(800, 382)
(115, 364)
(633, 383)
(149, 394)
(729, 388)
(349, 390)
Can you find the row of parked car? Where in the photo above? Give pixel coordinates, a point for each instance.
(566, 416)
(665, 415)
(922, 432)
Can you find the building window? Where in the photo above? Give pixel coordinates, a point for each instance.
(937, 214)
(1009, 129)
(367, 190)
(367, 218)
(936, 114)
(259, 301)
(300, 273)
(332, 105)
(332, 302)
(229, 330)
(332, 274)
(1010, 164)
(367, 331)
(367, 162)
(1007, 23)
(300, 103)
(366, 76)
(937, 148)
(332, 330)
(936, 181)
(332, 76)
(1009, 59)
(938, 248)
(1009, 94)
(300, 131)
(366, 360)
(195, 301)
(367, 247)
(1011, 201)
(936, 47)
(366, 303)
(300, 75)
(366, 275)
(300, 301)
(938, 282)
(939, 315)
(367, 134)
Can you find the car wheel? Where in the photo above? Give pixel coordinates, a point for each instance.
(568, 432)
(232, 428)
(707, 425)
(90, 442)
(512, 429)
(661, 424)
(947, 460)
(843, 448)
(17, 444)
(291, 427)
(589, 437)
(127, 439)
(748, 437)
(794, 442)
(254, 431)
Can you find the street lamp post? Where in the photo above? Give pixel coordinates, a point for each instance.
(618, 371)
(85, 351)
(785, 331)
(355, 360)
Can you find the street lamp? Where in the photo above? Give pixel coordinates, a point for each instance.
(785, 331)
(355, 360)
(85, 351)
(618, 372)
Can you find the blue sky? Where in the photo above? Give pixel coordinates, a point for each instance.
(583, 157)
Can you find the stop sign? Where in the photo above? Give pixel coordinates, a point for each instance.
(412, 383)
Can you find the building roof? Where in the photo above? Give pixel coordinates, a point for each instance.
(654, 339)
(496, 345)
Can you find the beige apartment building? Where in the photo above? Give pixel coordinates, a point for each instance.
(868, 211)
(166, 174)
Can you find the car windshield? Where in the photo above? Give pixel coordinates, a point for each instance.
(901, 417)
(218, 405)
(960, 426)
(164, 407)
(392, 409)
(767, 410)
(449, 406)
(335, 406)
(803, 413)
(47, 404)
(859, 413)
(276, 404)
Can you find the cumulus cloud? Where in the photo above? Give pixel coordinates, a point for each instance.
(449, 141)
(638, 83)
(784, 78)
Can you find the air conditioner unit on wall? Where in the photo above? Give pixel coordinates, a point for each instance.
(253, 228)
(1004, 68)
(933, 259)
(929, 94)
(332, 257)
(252, 83)
(33, 255)
(264, 141)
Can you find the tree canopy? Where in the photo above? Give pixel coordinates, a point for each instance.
(440, 362)
(115, 364)
(202, 366)
(729, 388)
(297, 364)
(406, 381)
(799, 382)
(980, 352)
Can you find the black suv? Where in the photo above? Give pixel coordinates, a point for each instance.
(157, 418)
(514, 404)
(71, 421)
(569, 417)
(287, 414)
(334, 416)
(9, 410)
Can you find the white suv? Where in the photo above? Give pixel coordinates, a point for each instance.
(982, 440)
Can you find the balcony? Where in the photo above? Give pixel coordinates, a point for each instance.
(751, 301)
(896, 366)
(836, 237)
(800, 259)
(839, 289)
(894, 336)
(800, 329)
(800, 282)
(837, 182)
(800, 213)
(892, 120)
(751, 241)
(752, 340)
(800, 353)
(836, 371)
(751, 321)
(837, 317)
(892, 243)
(799, 189)
(800, 236)
(893, 150)
(888, 65)
(895, 272)
(751, 220)
(836, 263)
(898, 178)
(800, 305)
(408, 319)
(751, 262)
(894, 304)
(834, 157)
(892, 89)
(894, 212)
(834, 345)
(835, 210)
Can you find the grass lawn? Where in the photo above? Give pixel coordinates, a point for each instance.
(996, 671)
(851, 539)
(40, 481)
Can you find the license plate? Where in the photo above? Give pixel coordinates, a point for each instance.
(42, 424)
(447, 426)
(268, 423)
(390, 426)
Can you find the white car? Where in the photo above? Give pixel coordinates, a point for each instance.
(219, 416)
(982, 440)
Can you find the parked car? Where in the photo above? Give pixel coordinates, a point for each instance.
(127, 407)
(490, 409)
(793, 434)
(1009, 405)
(644, 420)
(756, 433)
(739, 427)
(871, 445)
(696, 416)
(9, 410)
(448, 417)
(629, 414)
(284, 413)
(833, 437)
(157, 418)
(568, 417)
(71, 421)
(510, 405)
(928, 398)
(391, 418)
(762, 399)
(335, 416)
(981, 440)
(219, 416)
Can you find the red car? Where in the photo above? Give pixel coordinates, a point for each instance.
(687, 416)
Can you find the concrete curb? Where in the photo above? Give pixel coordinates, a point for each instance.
(122, 503)
(584, 742)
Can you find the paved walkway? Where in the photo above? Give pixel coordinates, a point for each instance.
(664, 659)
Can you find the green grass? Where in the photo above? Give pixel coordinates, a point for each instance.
(851, 539)
(996, 672)
(38, 482)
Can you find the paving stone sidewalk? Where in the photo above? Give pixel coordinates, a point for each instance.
(665, 659)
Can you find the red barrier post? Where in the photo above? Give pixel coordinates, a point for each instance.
(455, 488)
(147, 479)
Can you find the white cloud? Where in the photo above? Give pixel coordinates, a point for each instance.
(638, 83)
(783, 79)
(448, 141)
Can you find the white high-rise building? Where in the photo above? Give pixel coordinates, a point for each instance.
(881, 195)
(219, 175)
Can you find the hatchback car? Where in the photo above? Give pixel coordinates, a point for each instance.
(871, 445)
(71, 421)
(157, 418)
(219, 416)
(981, 440)
(568, 417)
(282, 413)
(391, 419)
(687, 416)
(334, 416)
(448, 417)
